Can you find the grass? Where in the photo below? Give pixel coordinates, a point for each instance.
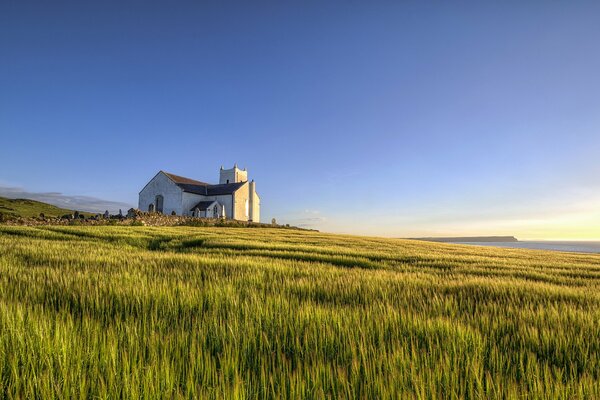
(184, 312)
(30, 208)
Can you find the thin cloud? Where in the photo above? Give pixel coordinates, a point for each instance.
(306, 219)
(80, 203)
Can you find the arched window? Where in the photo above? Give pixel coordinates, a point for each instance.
(159, 203)
(215, 211)
(151, 208)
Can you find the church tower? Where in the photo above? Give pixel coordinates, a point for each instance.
(233, 175)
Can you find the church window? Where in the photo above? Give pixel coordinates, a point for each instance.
(159, 203)
(227, 180)
(151, 208)
(216, 211)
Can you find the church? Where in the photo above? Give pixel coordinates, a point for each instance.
(232, 198)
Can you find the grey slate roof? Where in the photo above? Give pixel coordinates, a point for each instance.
(203, 188)
(203, 205)
(226, 188)
(182, 179)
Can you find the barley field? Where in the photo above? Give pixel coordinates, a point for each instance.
(225, 313)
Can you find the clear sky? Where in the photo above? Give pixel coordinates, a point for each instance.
(380, 118)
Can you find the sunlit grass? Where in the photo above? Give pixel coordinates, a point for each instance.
(113, 312)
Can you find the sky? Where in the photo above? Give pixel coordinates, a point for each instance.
(398, 119)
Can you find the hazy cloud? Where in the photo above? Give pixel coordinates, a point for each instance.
(306, 219)
(79, 203)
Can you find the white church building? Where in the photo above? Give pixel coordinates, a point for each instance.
(233, 198)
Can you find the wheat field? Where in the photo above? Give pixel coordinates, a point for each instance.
(179, 312)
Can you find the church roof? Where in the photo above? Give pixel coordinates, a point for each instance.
(203, 188)
(203, 205)
(225, 188)
(183, 180)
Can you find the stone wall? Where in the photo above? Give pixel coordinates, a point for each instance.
(140, 218)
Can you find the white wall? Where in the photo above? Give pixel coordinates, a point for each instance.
(210, 211)
(164, 186)
(190, 200)
(239, 203)
(233, 175)
(254, 203)
(225, 200)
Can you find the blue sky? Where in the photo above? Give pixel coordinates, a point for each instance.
(412, 119)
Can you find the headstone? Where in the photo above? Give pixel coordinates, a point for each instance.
(106, 214)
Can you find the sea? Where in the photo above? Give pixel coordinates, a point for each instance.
(571, 246)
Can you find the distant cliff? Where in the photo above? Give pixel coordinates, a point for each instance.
(506, 239)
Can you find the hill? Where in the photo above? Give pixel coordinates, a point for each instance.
(188, 312)
(31, 208)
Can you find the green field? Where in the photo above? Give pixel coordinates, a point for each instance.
(31, 208)
(146, 312)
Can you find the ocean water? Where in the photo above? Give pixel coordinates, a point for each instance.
(572, 246)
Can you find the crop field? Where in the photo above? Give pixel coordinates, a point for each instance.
(180, 312)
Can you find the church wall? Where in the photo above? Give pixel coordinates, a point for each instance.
(189, 200)
(226, 176)
(240, 196)
(233, 175)
(254, 203)
(161, 185)
(225, 200)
